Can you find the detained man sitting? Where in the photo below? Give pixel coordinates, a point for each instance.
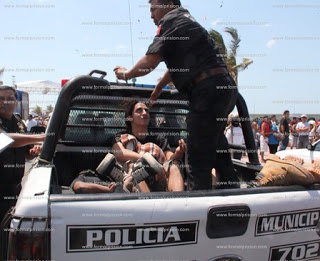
(148, 164)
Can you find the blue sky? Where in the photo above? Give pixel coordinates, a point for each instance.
(57, 39)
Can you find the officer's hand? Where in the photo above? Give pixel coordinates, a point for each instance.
(119, 72)
(154, 96)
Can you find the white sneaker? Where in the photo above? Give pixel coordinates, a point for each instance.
(145, 167)
(109, 167)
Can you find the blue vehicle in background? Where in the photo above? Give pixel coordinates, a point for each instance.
(23, 104)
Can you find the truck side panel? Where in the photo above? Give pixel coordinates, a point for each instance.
(249, 226)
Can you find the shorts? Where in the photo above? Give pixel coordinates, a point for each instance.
(263, 144)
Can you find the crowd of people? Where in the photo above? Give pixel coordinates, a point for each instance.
(271, 135)
(36, 124)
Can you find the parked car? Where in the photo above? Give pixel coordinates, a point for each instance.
(312, 152)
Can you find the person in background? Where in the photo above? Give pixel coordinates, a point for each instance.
(273, 143)
(234, 135)
(294, 134)
(265, 132)
(12, 159)
(31, 122)
(254, 127)
(313, 129)
(318, 130)
(284, 129)
(273, 120)
(303, 129)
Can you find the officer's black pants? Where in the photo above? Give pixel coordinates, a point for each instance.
(211, 100)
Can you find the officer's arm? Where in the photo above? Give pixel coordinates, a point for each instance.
(166, 79)
(144, 66)
(21, 140)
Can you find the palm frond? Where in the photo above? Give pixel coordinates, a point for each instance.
(234, 45)
(219, 42)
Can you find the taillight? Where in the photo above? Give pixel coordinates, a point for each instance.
(63, 81)
(29, 240)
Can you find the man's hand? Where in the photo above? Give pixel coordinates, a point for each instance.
(35, 151)
(111, 187)
(120, 72)
(180, 149)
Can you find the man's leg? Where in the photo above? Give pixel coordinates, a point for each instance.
(175, 179)
(201, 150)
(294, 141)
(300, 144)
(209, 108)
(263, 148)
(305, 142)
(286, 142)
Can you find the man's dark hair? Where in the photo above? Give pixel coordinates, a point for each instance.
(166, 2)
(4, 88)
(129, 110)
(285, 112)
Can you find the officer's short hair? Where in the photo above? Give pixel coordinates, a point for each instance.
(4, 88)
(165, 2)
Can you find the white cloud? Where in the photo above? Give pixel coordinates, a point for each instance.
(270, 43)
(121, 47)
(215, 22)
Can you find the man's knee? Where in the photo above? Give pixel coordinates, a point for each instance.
(174, 167)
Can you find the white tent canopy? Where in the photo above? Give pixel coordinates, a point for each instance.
(40, 86)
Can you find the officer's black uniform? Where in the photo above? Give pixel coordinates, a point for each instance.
(12, 163)
(197, 70)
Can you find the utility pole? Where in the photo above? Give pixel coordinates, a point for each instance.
(14, 82)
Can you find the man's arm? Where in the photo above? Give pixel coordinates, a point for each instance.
(144, 66)
(82, 187)
(21, 140)
(301, 128)
(122, 154)
(178, 154)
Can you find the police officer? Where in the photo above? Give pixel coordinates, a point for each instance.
(12, 159)
(196, 68)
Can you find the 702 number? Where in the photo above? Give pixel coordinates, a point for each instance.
(300, 252)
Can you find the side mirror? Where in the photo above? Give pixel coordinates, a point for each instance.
(310, 147)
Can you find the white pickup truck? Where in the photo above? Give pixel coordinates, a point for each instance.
(50, 222)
